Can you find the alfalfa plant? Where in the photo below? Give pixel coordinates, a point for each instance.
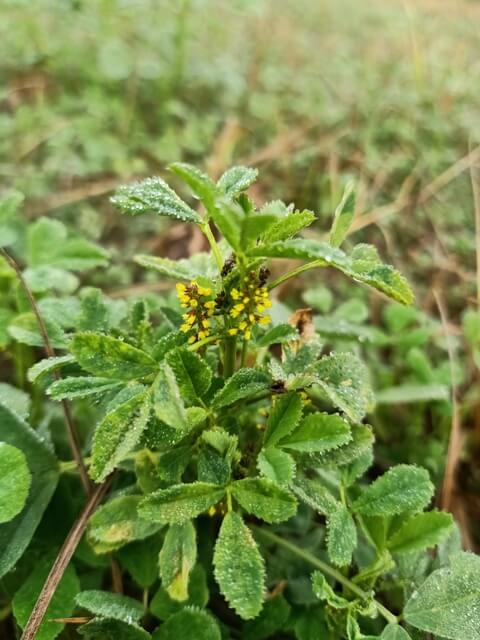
(238, 447)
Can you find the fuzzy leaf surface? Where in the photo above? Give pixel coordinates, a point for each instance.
(244, 384)
(177, 559)
(81, 387)
(276, 465)
(201, 185)
(110, 357)
(283, 419)
(110, 605)
(318, 432)
(180, 502)
(238, 567)
(153, 195)
(422, 531)
(193, 374)
(169, 407)
(341, 537)
(236, 180)
(187, 624)
(343, 216)
(402, 488)
(264, 499)
(118, 433)
(112, 629)
(448, 602)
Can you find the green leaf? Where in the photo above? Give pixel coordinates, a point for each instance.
(16, 534)
(118, 433)
(44, 278)
(180, 502)
(343, 216)
(169, 405)
(187, 269)
(277, 335)
(448, 602)
(276, 465)
(283, 419)
(15, 399)
(394, 632)
(318, 432)
(110, 605)
(24, 328)
(318, 497)
(303, 249)
(15, 481)
(229, 218)
(254, 226)
(81, 387)
(324, 591)
(41, 369)
(110, 357)
(239, 567)
(61, 605)
(345, 380)
(187, 624)
(264, 499)
(43, 238)
(341, 537)
(236, 180)
(402, 488)
(117, 523)
(360, 445)
(177, 559)
(153, 195)
(244, 384)
(140, 559)
(201, 185)
(112, 629)
(420, 532)
(193, 374)
(288, 226)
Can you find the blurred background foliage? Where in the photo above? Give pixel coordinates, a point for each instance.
(96, 94)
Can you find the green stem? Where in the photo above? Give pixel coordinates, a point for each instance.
(206, 230)
(201, 343)
(296, 272)
(229, 356)
(326, 568)
(243, 358)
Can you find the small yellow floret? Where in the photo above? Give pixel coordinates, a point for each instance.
(232, 332)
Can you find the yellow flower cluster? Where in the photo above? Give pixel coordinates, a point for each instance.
(250, 305)
(201, 307)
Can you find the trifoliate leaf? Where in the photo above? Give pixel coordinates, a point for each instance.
(341, 537)
(420, 532)
(188, 624)
(276, 465)
(316, 495)
(264, 499)
(283, 419)
(118, 433)
(402, 488)
(117, 523)
(110, 605)
(448, 602)
(245, 383)
(180, 502)
(112, 629)
(177, 559)
(110, 357)
(81, 387)
(201, 185)
(61, 605)
(193, 374)
(15, 481)
(236, 180)
(239, 567)
(169, 407)
(153, 195)
(345, 380)
(343, 216)
(318, 432)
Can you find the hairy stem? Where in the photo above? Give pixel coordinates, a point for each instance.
(229, 356)
(61, 563)
(50, 352)
(325, 568)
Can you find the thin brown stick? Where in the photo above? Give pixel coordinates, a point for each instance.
(61, 562)
(50, 352)
(455, 441)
